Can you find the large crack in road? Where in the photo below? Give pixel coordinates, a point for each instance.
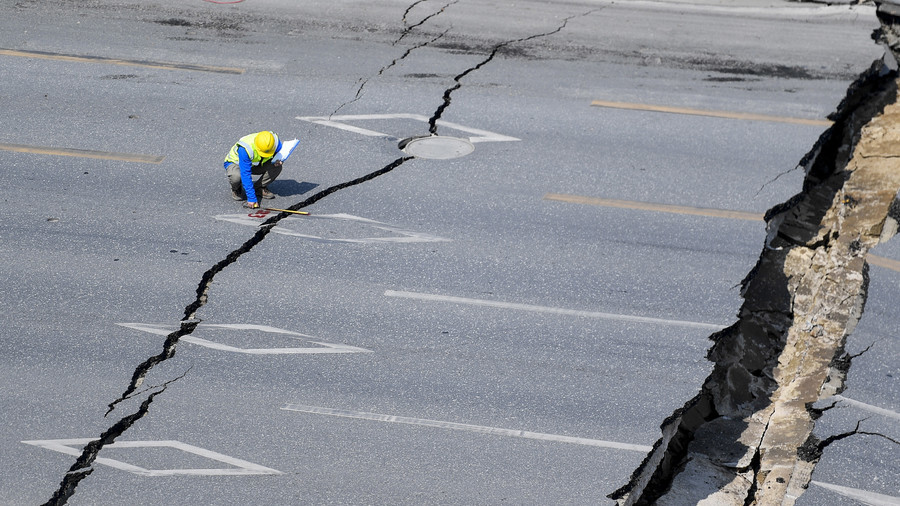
(83, 465)
(365, 81)
(406, 32)
(432, 122)
(421, 21)
(747, 437)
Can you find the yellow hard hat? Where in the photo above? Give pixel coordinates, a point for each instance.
(264, 142)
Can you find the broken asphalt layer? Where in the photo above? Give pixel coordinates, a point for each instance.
(479, 55)
(747, 437)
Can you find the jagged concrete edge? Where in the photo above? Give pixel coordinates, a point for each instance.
(811, 162)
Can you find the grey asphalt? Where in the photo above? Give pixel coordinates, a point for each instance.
(89, 244)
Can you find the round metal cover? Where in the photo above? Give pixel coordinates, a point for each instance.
(436, 147)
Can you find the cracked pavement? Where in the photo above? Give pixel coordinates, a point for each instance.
(747, 437)
(555, 355)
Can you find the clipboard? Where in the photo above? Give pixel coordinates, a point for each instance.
(287, 148)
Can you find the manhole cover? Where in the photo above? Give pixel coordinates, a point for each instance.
(436, 146)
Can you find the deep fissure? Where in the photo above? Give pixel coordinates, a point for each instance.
(432, 122)
(359, 91)
(813, 448)
(189, 323)
(83, 465)
(409, 9)
(746, 438)
(422, 22)
(364, 81)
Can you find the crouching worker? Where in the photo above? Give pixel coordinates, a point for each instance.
(252, 156)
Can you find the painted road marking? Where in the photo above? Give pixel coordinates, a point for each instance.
(44, 55)
(550, 310)
(863, 496)
(709, 113)
(876, 260)
(887, 263)
(868, 407)
(338, 122)
(466, 427)
(323, 348)
(649, 206)
(241, 467)
(401, 235)
(82, 153)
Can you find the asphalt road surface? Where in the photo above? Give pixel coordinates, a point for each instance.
(506, 327)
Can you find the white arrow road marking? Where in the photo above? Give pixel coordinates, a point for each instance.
(552, 310)
(241, 467)
(465, 427)
(336, 122)
(403, 236)
(863, 496)
(164, 330)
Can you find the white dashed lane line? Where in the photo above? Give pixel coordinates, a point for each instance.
(868, 407)
(863, 496)
(496, 431)
(550, 310)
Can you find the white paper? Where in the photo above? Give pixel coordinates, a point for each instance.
(286, 149)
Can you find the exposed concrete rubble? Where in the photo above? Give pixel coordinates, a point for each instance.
(745, 439)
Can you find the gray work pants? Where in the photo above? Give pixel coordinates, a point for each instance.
(268, 172)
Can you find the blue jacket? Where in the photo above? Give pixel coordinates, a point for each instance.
(246, 167)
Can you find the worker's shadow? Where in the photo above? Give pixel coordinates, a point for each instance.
(289, 187)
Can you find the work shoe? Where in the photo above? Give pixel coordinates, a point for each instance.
(266, 194)
(236, 195)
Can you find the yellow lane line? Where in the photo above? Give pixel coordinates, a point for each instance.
(116, 61)
(887, 263)
(714, 114)
(647, 206)
(879, 261)
(83, 153)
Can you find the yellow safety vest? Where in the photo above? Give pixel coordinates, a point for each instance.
(246, 142)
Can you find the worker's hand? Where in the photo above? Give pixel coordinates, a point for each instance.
(277, 163)
(251, 205)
